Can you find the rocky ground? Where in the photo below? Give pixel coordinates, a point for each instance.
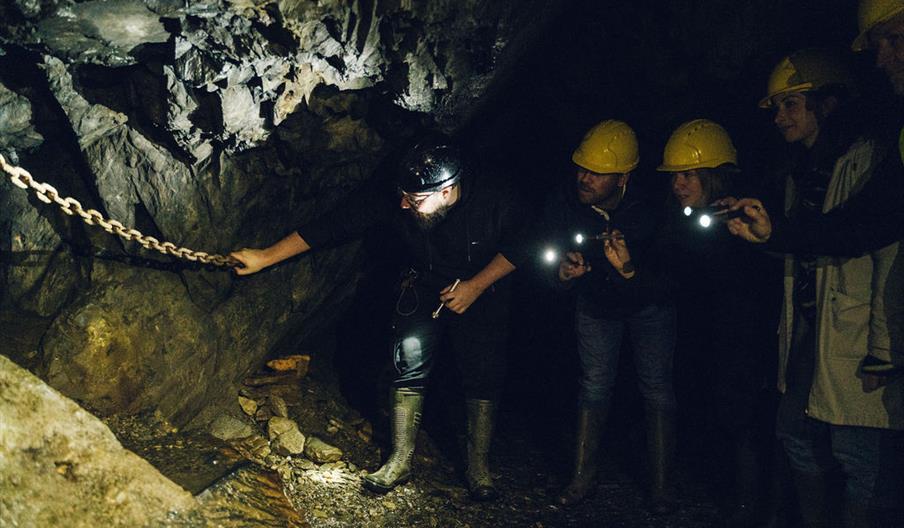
(251, 479)
(530, 470)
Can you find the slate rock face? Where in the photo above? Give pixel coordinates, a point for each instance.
(16, 129)
(60, 466)
(213, 125)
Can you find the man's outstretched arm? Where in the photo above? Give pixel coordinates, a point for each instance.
(254, 260)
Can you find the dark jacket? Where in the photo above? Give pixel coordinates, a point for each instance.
(483, 222)
(603, 287)
(713, 272)
(728, 295)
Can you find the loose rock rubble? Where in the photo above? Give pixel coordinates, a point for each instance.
(323, 480)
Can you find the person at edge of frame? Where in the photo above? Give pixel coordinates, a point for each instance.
(841, 412)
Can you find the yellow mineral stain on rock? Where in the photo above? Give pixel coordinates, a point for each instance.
(99, 334)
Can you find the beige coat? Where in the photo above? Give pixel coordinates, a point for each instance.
(860, 311)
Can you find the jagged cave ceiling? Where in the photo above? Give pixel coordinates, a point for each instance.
(220, 124)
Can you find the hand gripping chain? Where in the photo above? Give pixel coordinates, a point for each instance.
(48, 194)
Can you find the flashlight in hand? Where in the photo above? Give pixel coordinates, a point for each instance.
(707, 215)
(580, 238)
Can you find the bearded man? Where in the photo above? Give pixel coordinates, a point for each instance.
(453, 224)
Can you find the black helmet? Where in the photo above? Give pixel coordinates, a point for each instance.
(430, 167)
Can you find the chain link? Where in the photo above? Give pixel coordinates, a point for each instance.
(48, 194)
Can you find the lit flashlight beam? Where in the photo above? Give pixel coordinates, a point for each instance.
(713, 210)
(706, 220)
(440, 307)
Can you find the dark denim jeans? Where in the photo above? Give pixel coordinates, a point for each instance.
(652, 334)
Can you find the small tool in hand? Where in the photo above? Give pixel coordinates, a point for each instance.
(440, 307)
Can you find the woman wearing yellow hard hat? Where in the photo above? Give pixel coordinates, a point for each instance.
(844, 292)
(719, 282)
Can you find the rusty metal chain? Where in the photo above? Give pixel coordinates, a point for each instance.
(48, 194)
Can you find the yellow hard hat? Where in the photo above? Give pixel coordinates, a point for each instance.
(698, 144)
(610, 147)
(806, 70)
(872, 13)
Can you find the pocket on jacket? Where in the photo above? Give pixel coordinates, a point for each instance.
(848, 325)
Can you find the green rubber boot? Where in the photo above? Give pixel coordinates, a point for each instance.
(481, 414)
(406, 416)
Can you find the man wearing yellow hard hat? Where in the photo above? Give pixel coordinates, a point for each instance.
(881, 25)
(587, 219)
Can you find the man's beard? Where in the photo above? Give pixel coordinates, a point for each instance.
(426, 222)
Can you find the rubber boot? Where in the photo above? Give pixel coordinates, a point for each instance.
(811, 499)
(747, 470)
(406, 416)
(590, 421)
(481, 414)
(661, 449)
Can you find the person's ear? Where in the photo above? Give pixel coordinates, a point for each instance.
(623, 179)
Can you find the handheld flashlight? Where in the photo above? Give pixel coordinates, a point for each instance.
(580, 238)
(706, 215)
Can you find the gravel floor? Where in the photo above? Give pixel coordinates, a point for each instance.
(530, 463)
(527, 475)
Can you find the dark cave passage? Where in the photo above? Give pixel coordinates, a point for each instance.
(225, 125)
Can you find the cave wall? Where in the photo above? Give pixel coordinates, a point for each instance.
(214, 125)
(60, 466)
(222, 124)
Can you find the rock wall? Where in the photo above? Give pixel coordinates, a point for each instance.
(213, 125)
(218, 124)
(60, 466)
